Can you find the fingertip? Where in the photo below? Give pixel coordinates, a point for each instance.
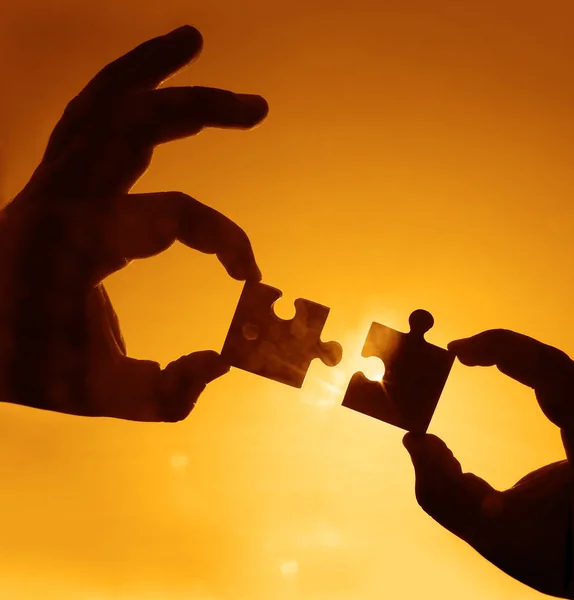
(412, 441)
(247, 270)
(417, 446)
(185, 43)
(200, 367)
(214, 367)
(255, 276)
(250, 274)
(415, 439)
(467, 351)
(236, 253)
(456, 345)
(256, 108)
(426, 448)
(186, 34)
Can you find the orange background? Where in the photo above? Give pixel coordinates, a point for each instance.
(417, 154)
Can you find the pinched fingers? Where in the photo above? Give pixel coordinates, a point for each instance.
(549, 371)
(521, 357)
(184, 380)
(138, 390)
(458, 501)
(525, 530)
(142, 225)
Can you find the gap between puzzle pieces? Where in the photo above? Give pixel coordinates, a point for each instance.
(416, 372)
(260, 342)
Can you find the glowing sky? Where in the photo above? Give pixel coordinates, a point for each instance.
(416, 154)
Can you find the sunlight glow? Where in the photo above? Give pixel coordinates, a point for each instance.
(179, 462)
(415, 184)
(334, 381)
(289, 568)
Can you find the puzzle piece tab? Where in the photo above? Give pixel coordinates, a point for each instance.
(415, 375)
(260, 342)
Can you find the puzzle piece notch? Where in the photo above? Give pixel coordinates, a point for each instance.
(415, 375)
(260, 342)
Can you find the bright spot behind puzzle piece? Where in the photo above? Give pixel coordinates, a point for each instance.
(373, 368)
(334, 380)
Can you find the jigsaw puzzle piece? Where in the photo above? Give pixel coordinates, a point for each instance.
(415, 375)
(260, 342)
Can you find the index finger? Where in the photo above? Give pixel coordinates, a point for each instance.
(147, 65)
(519, 356)
(143, 225)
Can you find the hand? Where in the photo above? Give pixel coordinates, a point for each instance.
(75, 223)
(527, 530)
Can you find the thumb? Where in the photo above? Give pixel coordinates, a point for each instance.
(184, 379)
(459, 501)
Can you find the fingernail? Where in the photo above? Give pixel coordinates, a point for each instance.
(257, 104)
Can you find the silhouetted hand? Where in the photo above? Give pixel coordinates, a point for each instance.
(527, 530)
(74, 224)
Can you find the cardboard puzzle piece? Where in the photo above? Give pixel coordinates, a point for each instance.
(415, 375)
(260, 342)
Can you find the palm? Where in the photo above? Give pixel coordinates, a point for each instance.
(75, 223)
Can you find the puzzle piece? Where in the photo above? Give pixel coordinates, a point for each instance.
(260, 342)
(415, 374)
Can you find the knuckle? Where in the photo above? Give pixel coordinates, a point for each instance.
(239, 238)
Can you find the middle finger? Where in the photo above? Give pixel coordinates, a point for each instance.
(163, 115)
